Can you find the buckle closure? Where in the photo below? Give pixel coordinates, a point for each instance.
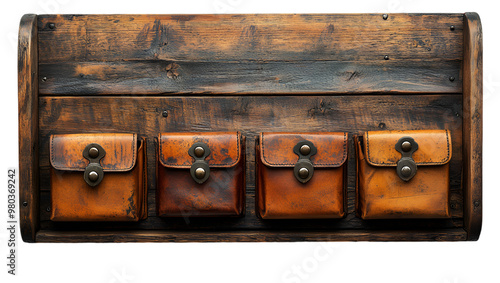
(93, 174)
(406, 166)
(304, 168)
(200, 171)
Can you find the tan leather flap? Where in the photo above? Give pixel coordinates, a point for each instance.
(66, 151)
(225, 149)
(277, 148)
(434, 147)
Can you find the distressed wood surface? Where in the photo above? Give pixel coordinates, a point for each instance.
(457, 234)
(473, 124)
(252, 73)
(274, 113)
(28, 127)
(225, 54)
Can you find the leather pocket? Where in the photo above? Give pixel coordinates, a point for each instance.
(200, 174)
(403, 174)
(301, 175)
(98, 177)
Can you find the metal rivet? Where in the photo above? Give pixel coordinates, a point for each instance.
(303, 173)
(305, 149)
(25, 203)
(452, 78)
(44, 79)
(200, 173)
(199, 151)
(406, 146)
(476, 203)
(385, 16)
(52, 25)
(406, 171)
(93, 176)
(93, 152)
(382, 125)
(452, 27)
(48, 209)
(165, 113)
(386, 57)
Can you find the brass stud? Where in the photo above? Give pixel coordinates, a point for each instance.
(406, 171)
(200, 173)
(199, 151)
(305, 149)
(303, 173)
(93, 152)
(93, 176)
(406, 146)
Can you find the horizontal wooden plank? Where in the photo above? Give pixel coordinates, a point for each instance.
(251, 115)
(160, 77)
(289, 37)
(250, 236)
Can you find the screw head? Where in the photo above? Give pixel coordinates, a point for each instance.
(199, 151)
(406, 146)
(386, 57)
(303, 173)
(385, 16)
(52, 25)
(406, 171)
(93, 176)
(44, 79)
(476, 203)
(48, 209)
(452, 78)
(200, 173)
(305, 149)
(452, 27)
(165, 113)
(25, 203)
(93, 152)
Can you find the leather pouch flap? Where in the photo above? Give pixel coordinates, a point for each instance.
(434, 147)
(66, 151)
(225, 149)
(277, 148)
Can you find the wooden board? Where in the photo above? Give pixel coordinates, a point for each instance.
(254, 73)
(280, 54)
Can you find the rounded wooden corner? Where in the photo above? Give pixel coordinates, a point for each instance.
(472, 125)
(28, 127)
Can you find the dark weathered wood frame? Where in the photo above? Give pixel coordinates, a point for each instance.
(471, 79)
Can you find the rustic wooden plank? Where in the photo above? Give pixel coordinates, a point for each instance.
(222, 54)
(251, 114)
(290, 37)
(473, 124)
(263, 78)
(250, 236)
(28, 127)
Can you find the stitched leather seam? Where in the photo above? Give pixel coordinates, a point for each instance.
(444, 161)
(315, 163)
(134, 145)
(174, 165)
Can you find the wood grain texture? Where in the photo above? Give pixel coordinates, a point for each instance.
(473, 124)
(457, 234)
(251, 115)
(223, 54)
(258, 78)
(28, 127)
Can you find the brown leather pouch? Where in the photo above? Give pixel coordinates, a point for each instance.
(200, 174)
(403, 174)
(98, 177)
(301, 175)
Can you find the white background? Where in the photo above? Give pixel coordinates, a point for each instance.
(256, 262)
